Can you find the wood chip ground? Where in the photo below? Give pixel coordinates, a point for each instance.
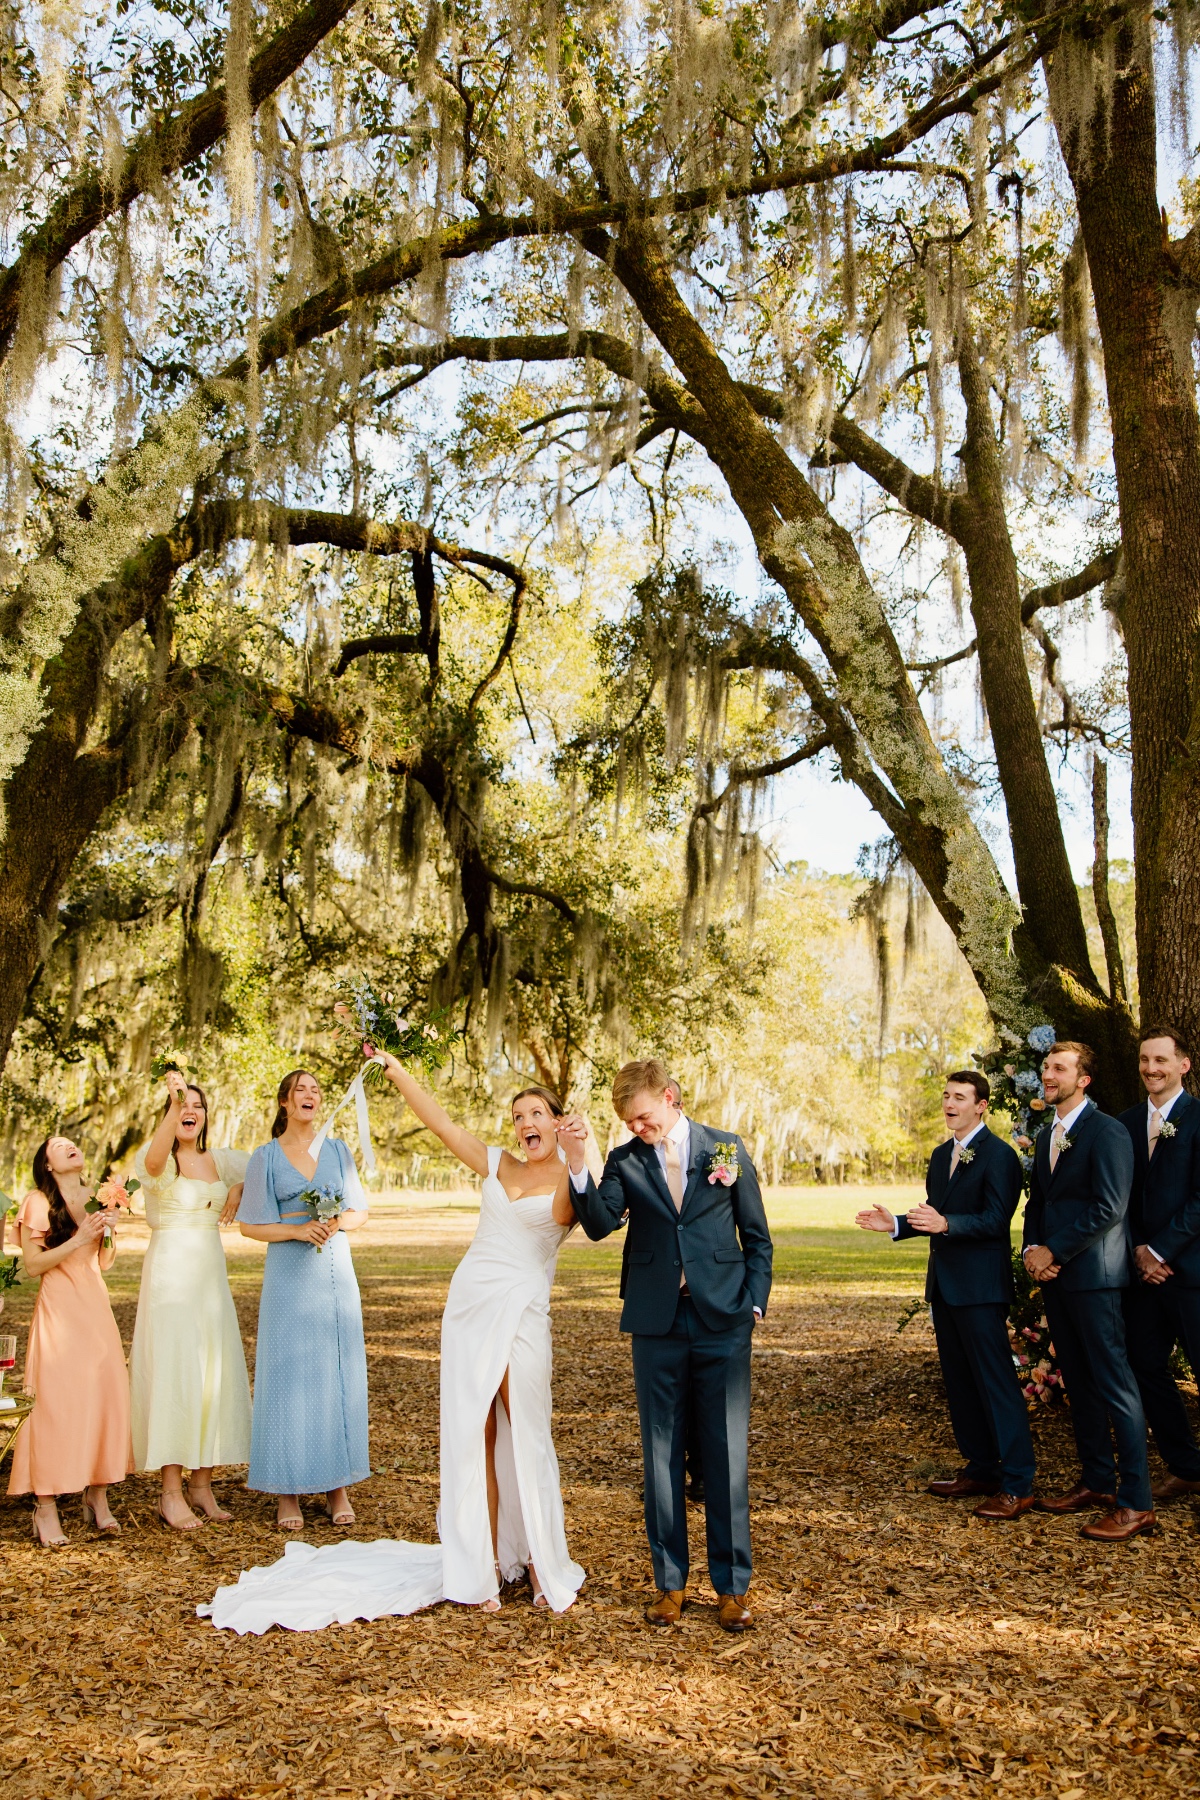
(903, 1647)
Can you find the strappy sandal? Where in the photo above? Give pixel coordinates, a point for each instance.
(294, 1522)
(47, 1543)
(539, 1599)
(191, 1523)
(112, 1529)
(346, 1517)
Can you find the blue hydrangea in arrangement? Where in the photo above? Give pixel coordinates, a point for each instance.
(1015, 1072)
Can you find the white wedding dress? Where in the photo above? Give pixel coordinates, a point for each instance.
(497, 1317)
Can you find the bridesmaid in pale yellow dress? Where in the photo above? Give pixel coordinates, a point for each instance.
(190, 1394)
(77, 1436)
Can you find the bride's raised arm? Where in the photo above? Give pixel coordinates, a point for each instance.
(469, 1149)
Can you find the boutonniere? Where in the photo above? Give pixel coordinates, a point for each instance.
(965, 1155)
(1066, 1144)
(723, 1165)
(1166, 1129)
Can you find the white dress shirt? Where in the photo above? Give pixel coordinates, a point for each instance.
(1162, 1111)
(962, 1144)
(1068, 1125)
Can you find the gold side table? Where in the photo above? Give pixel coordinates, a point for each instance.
(12, 1423)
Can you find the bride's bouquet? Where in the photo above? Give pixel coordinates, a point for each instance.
(377, 1020)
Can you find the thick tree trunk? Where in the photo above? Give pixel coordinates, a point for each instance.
(1102, 97)
(1049, 898)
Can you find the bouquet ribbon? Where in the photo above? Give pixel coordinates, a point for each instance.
(357, 1093)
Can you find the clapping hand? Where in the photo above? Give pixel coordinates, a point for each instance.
(876, 1218)
(928, 1219)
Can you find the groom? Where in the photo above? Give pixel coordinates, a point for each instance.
(699, 1273)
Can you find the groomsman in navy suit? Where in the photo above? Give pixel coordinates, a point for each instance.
(973, 1185)
(1162, 1305)
(1077, 1250)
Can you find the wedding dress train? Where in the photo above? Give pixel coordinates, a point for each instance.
(497, 1318)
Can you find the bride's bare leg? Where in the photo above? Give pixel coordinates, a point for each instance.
(493, 1486)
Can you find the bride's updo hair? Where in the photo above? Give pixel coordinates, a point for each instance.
(541, 1093)
(284, 1095)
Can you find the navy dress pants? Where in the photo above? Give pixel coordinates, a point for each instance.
(709, 1371)
(987, 1407)
(1157, 1317)
(1088, 1332)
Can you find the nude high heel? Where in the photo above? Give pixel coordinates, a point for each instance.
(47, 1543)
(112, 1529)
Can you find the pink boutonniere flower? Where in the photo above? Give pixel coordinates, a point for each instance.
(723, 1165)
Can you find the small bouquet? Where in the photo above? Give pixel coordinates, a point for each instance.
(111, 1196)
(323, 1203)
(377, 1020)
(1015, 1072)
(162, 1066)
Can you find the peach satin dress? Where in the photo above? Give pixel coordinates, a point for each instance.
(78, 1432)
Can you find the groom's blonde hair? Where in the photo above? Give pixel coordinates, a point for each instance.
(649, 1076)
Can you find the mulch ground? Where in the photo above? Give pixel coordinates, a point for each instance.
(903, 1648)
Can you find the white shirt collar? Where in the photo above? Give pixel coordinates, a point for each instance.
(1166, 1106)
(963, 1142)
(1072, 1119)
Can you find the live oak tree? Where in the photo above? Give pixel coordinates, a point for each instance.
(785, 237)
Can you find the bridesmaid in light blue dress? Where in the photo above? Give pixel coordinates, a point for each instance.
(310, 1382)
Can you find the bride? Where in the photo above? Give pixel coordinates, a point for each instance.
(501, 1505)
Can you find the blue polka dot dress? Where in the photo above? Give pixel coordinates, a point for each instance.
(310, 1379)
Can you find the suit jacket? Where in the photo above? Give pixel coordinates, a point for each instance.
(718, 1239)
(970, 1264)
(1164, 1208)
(1081, 1211)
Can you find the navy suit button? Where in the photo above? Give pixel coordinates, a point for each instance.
(676, 1262)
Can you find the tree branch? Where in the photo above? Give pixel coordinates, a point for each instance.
(739, 776)
(168, 144)
(1102, 568)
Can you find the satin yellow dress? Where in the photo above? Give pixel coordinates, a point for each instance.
(189, 1390)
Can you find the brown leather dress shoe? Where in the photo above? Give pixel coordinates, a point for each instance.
(733, 1614)
(1080, 1499)
(1119, 1526)
(1005, 1506)
(1174, 1488)
(666, 1607)
(962, 1487)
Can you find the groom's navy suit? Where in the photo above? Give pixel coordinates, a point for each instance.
(693, 1344)
(1079, 1211)
(1164, 1212)
(969, 1287)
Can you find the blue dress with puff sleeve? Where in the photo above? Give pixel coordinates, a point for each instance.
(310, 1381)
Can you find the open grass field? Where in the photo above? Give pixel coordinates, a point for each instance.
(903, 1648)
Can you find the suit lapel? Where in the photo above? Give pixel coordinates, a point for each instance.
(698, 1149)
(1080, 1125)
(1177, 1115)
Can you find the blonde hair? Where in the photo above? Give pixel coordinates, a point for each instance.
(649, 1076)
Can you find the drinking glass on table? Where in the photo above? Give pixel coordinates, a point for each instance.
(8, 1359)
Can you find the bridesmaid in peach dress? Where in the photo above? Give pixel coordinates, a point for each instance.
(77, 1437)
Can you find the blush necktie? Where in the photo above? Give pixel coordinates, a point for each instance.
(1154, 1131)
(1059, 1133)
(954, 1155)
(674, 1173)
